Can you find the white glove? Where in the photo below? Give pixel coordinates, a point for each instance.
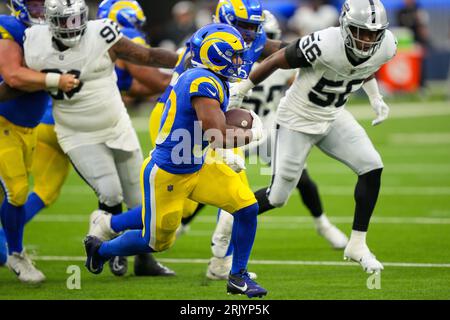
(257, 127)
(234, 161)
(238, 92)
(381, 109)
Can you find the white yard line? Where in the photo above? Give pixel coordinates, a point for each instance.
(324, 189)
(266, 262)
(273, 219)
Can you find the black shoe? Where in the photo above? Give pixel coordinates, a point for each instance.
(94, 262)
(241, 283)
(118, 266)
(146, 265)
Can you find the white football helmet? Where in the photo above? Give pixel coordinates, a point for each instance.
(358, 16)
(67, 20)
(271, 26)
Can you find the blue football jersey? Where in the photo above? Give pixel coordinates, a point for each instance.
(27, 110)
(180, 147)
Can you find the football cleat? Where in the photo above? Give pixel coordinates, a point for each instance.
(240, 283)
(118, 266)
(336, 238)
(146, 265)
(100, 225)
(364, 257)
(94, 262)
(3, 248)
(219, 269)
(23, 267)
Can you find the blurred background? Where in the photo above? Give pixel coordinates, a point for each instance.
(420, 70)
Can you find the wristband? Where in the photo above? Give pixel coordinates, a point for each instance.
(245, 86)
(52, 80)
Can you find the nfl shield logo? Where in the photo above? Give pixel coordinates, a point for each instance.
(170, 187)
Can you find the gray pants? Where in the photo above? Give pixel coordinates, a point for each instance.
(112, 174)
(345, 141)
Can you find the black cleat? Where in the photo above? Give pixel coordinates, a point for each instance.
(146, 265)
(241, 283)
(94, 262)
(118, 266)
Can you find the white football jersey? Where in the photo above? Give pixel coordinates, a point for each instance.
(321, 91)
(93, 112)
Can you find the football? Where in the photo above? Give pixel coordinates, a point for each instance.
(241, 118)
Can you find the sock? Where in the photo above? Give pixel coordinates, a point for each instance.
(357, 243)
(310, 194)
(128, 244)
(187, 220)
(243, 236)
(263, 201)
(13, 222)
(130, 220)
(322, 221)
(366, 195)
(3, 248)
(117, 209)
(33, 205)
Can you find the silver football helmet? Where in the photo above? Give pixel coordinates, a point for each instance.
(271, 26)
(67, 20)
(361, 20)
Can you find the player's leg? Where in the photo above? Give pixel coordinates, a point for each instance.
(220, 263)
(310, 196)
(348, 142)
(16, 153)
(163, 197)
(128, 166)
(290, 151)
(220, 186)
(50, 169)
(95, 164)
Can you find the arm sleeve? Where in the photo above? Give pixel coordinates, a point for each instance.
(295, 57)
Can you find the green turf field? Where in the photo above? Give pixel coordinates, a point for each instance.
(410, 231)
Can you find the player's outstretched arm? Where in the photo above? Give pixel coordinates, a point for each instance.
(214, 124)
(18, 76)
(271, 47)
(147, 81)
(127, 50)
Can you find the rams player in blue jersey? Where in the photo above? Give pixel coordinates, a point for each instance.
(247, 17)
(176, 169)
(18, 120)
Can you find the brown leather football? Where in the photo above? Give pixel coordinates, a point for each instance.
(240, 118)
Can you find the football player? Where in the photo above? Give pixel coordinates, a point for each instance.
(92, 125)
(333, 63)
(18, 120)
(247, 16)
(264, 100)
(177, 170)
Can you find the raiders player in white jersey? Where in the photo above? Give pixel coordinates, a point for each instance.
(91, 122)
(333, 63)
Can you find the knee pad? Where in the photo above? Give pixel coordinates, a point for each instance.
(18, 193)
(166, 230)
(290, 169)
(371, 163)
(110, 194)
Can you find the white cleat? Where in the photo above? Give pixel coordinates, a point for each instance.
(365, 258)
(219, 269)
(23, 267)
(100, 225)
(336, 238)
